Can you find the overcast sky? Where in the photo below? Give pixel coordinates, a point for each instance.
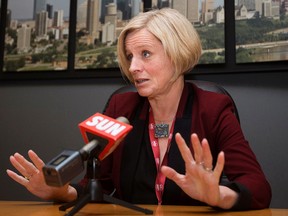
(21, 10)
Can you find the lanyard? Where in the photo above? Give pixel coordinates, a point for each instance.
(160, 178)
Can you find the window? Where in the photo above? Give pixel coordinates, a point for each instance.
(77, 39)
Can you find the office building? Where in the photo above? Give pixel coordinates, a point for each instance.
(82, 15)
(103, 9)
(24, 39)
(58, 18)
(208, 7)
(129, 8)
(93, 18)
(136, 7)
(189, 8)
(49, 9)
(109, 27)
(39, 5)
(41, 23)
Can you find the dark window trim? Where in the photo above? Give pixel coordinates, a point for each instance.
(229, 67)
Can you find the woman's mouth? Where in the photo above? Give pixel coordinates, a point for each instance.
(140, 81)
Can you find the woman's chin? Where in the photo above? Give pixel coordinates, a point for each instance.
(143, 92)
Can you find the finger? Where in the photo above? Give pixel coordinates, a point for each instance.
(220, 164)
(198, 153)
(183, 148)
(207, 157)
(38, 162)
(14, 159)
(171, 173)
(26, 167)
(20, 179)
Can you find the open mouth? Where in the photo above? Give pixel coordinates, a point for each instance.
(140, 81)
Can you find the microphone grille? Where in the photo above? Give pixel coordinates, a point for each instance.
(123, 119)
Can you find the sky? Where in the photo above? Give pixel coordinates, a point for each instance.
(20, 10)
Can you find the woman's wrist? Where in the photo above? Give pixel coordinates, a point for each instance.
(228, 197)
(65, 194)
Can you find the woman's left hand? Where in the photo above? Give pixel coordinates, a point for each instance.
(201, 181)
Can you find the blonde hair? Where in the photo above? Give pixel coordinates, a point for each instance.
(179, 39)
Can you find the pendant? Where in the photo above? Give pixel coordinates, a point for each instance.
(161, 130)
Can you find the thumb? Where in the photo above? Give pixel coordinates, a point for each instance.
(169, 173)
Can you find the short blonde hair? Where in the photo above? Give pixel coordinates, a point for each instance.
(179, 38)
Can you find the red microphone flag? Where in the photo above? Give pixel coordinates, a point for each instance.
(106, 128)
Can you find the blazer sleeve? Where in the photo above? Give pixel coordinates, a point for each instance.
(218, 124)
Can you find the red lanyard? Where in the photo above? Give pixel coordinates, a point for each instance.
(160, 178)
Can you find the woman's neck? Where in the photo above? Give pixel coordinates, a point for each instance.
(165, 106)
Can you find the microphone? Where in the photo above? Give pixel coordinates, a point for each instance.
(101, 134)
(107, 131)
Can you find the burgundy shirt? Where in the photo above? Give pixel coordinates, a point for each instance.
(131, 169)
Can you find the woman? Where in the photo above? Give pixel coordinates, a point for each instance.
(183, 138)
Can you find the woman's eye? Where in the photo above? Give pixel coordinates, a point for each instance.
(129, 57)
(146, 54)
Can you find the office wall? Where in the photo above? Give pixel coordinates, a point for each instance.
(43, 116)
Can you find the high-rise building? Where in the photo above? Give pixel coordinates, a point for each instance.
(49, 9)
(125, 7)
(39, 5)
(8, 18)
(103, 9)
(82, 15)
(193, 11)
(189, 8)
(258, 6)
(93, 18)
(275, 9)
(109, 27)
(136, 7)
(111, 14)
(208, 5)
(58, 18)
(24, 38)
(181, 6)
(266, 8)
(41, 23)
(207, 10)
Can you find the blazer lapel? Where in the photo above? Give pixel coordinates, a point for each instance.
(183, 125)
(131, 151)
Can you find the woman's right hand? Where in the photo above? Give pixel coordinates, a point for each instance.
(31, 177)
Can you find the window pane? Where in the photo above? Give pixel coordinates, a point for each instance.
(99, 23)
(261, 31)
(36, 35)
(208, 18)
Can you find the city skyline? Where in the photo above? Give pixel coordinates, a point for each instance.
(25, 11)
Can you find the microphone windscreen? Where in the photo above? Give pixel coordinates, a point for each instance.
(123, 119)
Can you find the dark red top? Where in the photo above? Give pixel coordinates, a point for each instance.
(130, 169)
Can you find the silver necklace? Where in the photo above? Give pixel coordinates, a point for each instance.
(162, 129)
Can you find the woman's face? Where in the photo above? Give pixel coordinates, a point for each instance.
(150, 67)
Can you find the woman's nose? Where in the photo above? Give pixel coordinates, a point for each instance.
(135, 65)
